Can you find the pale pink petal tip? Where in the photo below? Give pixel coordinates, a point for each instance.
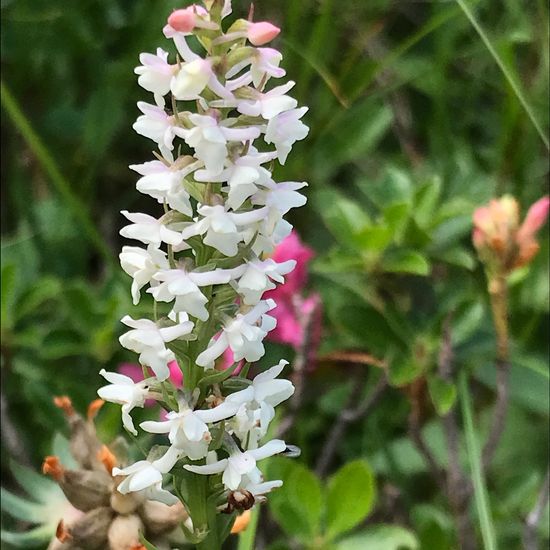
(536, 216)
(262, 33)
(182, 20)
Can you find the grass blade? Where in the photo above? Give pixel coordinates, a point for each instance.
(474, 458)
(507, 74)
(328, 79)
(35, 144)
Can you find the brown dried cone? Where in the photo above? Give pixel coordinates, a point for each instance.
(91, 530)
(111, 520)
(84, 443)
(84, 489)
(161, 518)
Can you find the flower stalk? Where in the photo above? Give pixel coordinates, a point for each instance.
(219, 127)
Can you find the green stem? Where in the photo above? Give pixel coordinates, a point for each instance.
(197, 502)
(73, 202)
(498, 292)
(474, 458)
(247, 537)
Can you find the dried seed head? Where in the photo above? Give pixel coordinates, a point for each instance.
(124, 504)
(124, 532)
(86, 489)
(55, 544)
(90, 530)
(160, 518)
(84, 444)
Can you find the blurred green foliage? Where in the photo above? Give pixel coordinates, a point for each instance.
(413, 125)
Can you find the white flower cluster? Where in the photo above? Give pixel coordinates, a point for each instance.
(207, 254)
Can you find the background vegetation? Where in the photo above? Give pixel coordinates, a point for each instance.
(419, 113)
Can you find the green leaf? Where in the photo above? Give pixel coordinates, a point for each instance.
(20, 508)
(351, 495)
(368, 328)
(449, 232)
(29, 539)
(304, 491)
(458, 256)
(343, 217)
(297, 505)
(61, 449)
(39, 487)
(406, 261)
(404, 371)
(45, 289)
(467, 322)
(396, 217)
(434, 527)
(393, 188)
(528, 388)
(218, 376)
(381, 537)
(443, 394)
(62, 343)
(102, 118)
(348, 138)
(146, 543)
(374, 239)
(426, 199)
(405, 456)
(8, 295)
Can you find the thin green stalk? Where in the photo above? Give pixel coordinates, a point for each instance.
(505, 71)
(198, 506)
(474, 458)
(73, 202)
(248, 536)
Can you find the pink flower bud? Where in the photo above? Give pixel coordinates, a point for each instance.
(182, 20)
(525, 237)
(500, 240)
(535, 218)
(478, 238)
(482, 218)
(262, 33)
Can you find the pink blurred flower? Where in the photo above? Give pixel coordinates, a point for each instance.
(292, 248)
(299, 319)
(534, 220)
(227, 360)
(503, 244)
